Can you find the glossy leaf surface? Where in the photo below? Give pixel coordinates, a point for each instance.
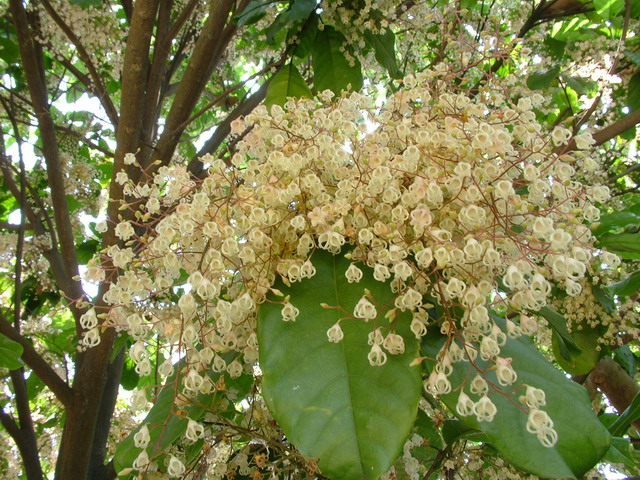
(582, 439)
(331, 403)
(10, 353)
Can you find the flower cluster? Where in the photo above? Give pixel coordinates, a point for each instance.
(456, 199)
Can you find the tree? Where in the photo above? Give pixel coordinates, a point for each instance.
(304, 239)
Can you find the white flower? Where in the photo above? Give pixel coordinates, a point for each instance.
(122, 178)
(485, 409)
(394, 344)
(124, 230)
(289, 313)
(376, 356)
(465, 405)
(176, 468)
(101, 226)
(364, 309)
(335, 333)
(141, 438)
(353, 274)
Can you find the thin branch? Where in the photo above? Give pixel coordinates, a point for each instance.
(29, 450)
(207, 52)
(218, 99)
(127, 6)
(14, 226)
(100, 89)
(34, 73)
(157, 71)
(222, 130)
(181, 20)
(627, 171)
(85, 140)
(30, 462)
(610, 131)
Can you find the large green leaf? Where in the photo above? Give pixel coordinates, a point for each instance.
(613, 221)
(331, 403)
(626, 287)
(542, 80)
(166, 421)
(559, 324)
(254, 11)
(331, 70)
(633, 92)
(623, 453)
(608, 9)
(626, 245)
(287, 83)
(582, 439)
(385, 52)
(631, 414)
(86, 3)
(293, 17)
(633, 56)
(10, 353)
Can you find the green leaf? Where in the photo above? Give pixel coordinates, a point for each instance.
(633, 92)
(614, 221)
(166, 422)
(73, 203)
(86, 3)
(622, 452)
(582, 439)
(631, 414)
(385, 52)
(331, 70)
(129, 379)
(608, 9)
(626, 245)
(10, 353)
(580, 85)
(604, 298)
(295, 15)
(633, 56)
(559, 324)
(626, 287)
(578, 363)
(254, 12)
(556, 47)
(327, 398)
(9, 50)
(306, 38)
(286, 83)
(300, 10)
(454, 430)
(427, 429)
(87, 250)
(542, 80)
(626, 359)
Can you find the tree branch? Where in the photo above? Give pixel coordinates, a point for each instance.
(29, 450)
(40, 366)
(100, 89)
(222, 130)
(34, 73)
(615, 383)
(611, 131)
(31, 464)
(157, 70)
(206, 54)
